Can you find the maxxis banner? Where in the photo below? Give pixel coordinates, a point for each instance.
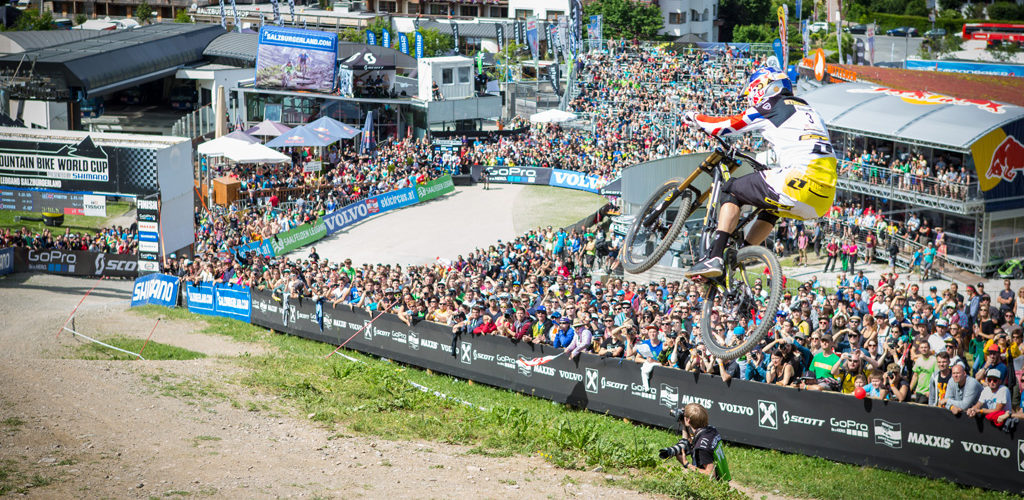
(911, 438)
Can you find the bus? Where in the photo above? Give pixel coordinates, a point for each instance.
(994, 33)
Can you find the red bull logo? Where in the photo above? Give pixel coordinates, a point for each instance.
(928, 98)
(1007, 160)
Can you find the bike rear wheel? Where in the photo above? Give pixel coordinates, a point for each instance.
(656, 227)
(738, 302)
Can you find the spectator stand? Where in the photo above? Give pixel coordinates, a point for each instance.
(896, 143)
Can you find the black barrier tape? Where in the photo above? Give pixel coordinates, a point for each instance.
(75, 263)
(910, 438)
(493, 135)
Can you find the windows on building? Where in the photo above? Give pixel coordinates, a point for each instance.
(677, 18)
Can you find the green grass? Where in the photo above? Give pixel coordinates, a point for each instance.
(376, 399)
(76, 223)
(14, 480)
(153, 351)
(550, 206)
(236, 330)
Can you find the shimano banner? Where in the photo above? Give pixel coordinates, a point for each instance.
(574, 180)
(214, 299)
(6, 261)
(158, 289)
(912, 438)
(74, 263)
(512, 175)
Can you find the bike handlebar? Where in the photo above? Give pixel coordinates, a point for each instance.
(732, 151)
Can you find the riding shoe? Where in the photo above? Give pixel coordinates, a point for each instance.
(708, 268)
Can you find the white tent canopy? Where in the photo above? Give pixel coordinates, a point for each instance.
(241, 152)
(552, 116)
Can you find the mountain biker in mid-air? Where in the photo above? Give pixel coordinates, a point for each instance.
(803, 184)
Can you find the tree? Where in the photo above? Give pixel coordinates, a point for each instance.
(754, 33)
(1005, 11)
(183, 17)
(144, 12)
(916, 8)
(939, 48)
(1003, 52)
(625, 19)
(31, 20)
(738, 12)
(80, 19)
(435, 44)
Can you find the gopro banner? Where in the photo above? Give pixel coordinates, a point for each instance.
(75, 263)
(157, 289)
(574, 180)
(512, 175)
(911, 438)
(6, 261)
(214, 299)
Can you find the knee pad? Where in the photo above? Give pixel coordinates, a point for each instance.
(768, 217)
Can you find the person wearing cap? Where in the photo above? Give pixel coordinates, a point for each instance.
(652, 344)
(937, 340)
(994, 399)
(582, 339)
(541, 329)
(563, 336)
(993, 361)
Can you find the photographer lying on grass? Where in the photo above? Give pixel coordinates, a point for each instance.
(701, 444)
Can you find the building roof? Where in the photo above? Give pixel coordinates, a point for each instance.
(118, 59)
(240, 49)
(21, 41)
(994, 88)
(918, 117)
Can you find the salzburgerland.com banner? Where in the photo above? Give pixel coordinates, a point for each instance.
(216, 299)
(437, 187)
(158, 289)
(74, 263)
(6, 261)
(918, 439)
(291, 58)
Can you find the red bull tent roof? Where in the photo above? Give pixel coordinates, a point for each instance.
(989, 133)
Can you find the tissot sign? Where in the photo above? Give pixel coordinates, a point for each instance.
(53, 165)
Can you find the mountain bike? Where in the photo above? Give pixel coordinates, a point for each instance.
(732, 300)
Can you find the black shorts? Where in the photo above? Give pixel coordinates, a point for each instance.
(752, 189)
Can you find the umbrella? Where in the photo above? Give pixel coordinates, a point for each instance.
(240, 151)
(242, 136)
(299, 136)
(552, 116)
(267, 128)
(332, 128)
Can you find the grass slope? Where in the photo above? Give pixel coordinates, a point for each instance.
(376, 399)
(154, 351)
(552, 206)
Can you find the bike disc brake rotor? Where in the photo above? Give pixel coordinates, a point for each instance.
(739, 302)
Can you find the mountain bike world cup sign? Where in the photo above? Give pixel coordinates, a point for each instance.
(49, 165)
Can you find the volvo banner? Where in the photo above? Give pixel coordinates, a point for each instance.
(907, 437)
(75, 263)
(157, 289)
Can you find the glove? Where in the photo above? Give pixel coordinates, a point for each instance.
(665, 453)
(690, 118)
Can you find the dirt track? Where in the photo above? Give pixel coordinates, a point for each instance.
(71, 428)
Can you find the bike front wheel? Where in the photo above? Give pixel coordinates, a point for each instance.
(732, 302)
(656, 227)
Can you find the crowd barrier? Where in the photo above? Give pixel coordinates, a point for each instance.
(6, 261)
(503, 174)
(156, 289)
(337, 220)
(218, 299)
(74, 263)
(911, 438)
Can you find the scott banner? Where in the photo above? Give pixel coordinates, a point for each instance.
(912, 438)
(157, 289)
(74, 263)
(215, 299)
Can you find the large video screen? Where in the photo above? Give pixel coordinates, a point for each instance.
(296, 59)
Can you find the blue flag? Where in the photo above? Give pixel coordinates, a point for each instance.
(403, 43)
(385, 39)
(366, 142)
(371, 38)
(419, 45)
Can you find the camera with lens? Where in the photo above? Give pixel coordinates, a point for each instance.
(677, 413)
